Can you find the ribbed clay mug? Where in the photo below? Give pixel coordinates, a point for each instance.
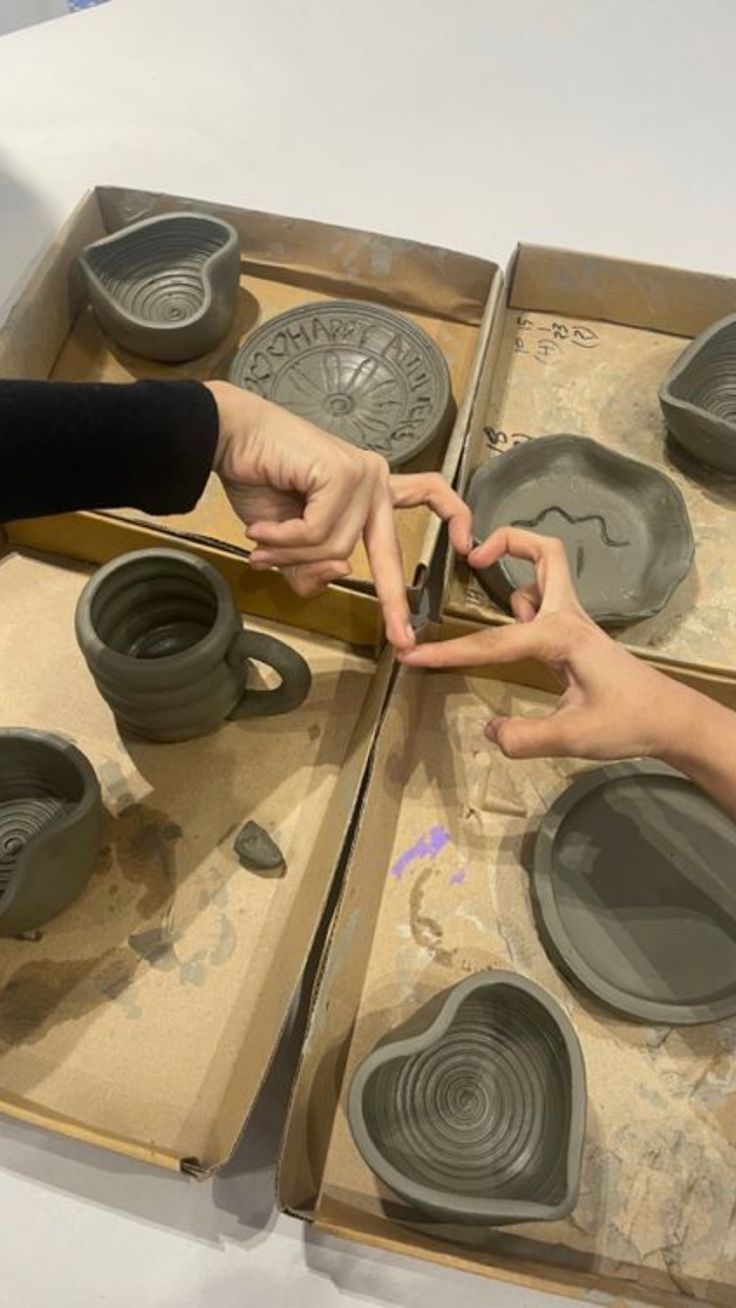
(167, 649)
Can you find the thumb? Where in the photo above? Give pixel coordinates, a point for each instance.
(544, 737)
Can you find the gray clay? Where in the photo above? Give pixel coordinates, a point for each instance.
(365, 373)
(166, 646)
(611, 512)
(256, 850)
(699, 396)
(633, 880)
(478, 1115)
(167, 287)
(50, 827)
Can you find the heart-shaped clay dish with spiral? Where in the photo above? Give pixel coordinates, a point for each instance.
(478, 1115)
(167, 287)
(698, 398)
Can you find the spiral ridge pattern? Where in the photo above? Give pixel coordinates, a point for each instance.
(166, 287)
(711, 377)
(699, 397)
(21, 819)
(482, 1112)
(155, 278)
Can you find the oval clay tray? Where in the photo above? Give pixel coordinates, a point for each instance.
(635, 895)
(367, 374)
(624, 524)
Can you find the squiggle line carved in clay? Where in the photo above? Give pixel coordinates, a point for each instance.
(531, 524)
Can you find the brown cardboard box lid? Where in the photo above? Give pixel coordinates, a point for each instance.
(436, 888)
(582, 347)
(144, 1017)
(52, 331)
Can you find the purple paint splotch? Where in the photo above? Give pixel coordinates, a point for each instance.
(426, 847)
(458, 877)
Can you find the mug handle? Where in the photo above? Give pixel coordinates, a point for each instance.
(296, 678)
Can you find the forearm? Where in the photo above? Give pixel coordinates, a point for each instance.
(68, 445)
(700, 740)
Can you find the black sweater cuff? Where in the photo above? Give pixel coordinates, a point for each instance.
(89, 445)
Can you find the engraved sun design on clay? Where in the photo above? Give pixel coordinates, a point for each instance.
(363, 372)
(361, 397)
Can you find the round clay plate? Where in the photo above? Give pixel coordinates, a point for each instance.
(365, 373)
(624, 524)
(635, 894)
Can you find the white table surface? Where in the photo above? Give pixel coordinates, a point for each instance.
(605, 125)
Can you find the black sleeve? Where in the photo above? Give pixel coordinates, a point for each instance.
(87, 445)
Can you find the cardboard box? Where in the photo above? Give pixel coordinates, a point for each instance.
(582, 346)
(436, 888)
(144, 1018)
(52, 332)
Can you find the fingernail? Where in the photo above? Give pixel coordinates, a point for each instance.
(411, 639)
(490, 732)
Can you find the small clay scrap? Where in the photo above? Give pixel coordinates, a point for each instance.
(256, 850)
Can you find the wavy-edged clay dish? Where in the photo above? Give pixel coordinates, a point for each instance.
(624, 524)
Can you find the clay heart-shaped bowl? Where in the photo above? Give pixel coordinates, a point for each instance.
(478, 1114)
(698, 398)
(167, 287)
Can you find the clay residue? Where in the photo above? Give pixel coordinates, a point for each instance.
(156, 947)
(427, 931)
(145, 847)
(40, 992)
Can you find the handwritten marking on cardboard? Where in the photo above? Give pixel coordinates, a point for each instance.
(544, 341)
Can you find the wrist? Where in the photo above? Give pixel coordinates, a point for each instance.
(238, 412)
(685, 728)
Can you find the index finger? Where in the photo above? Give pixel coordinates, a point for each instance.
(547, 553)
(410, 489)
(502, 645)
(384, 556)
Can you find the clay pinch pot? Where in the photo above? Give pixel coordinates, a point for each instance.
(166, 287)
(166, 646)
(50, 827)
(624, 524)
(698, 397)
(477, 1115)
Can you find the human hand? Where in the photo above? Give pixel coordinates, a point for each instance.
(612, 705)
(307, 498)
